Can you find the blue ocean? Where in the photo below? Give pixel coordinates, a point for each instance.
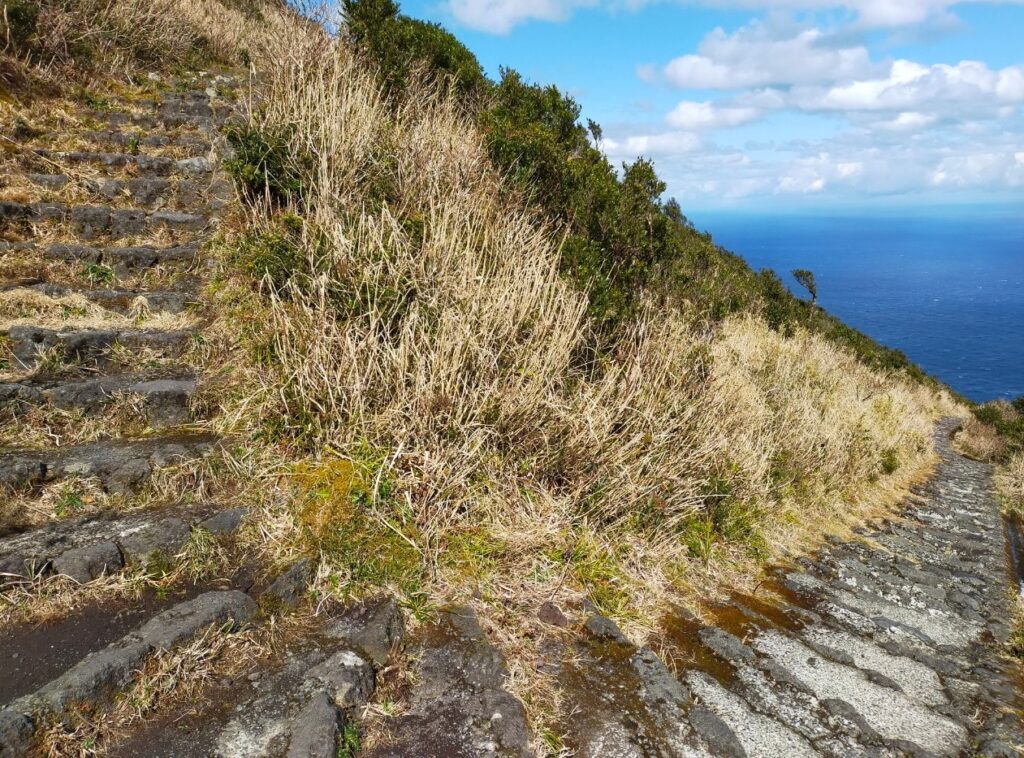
(948, 291)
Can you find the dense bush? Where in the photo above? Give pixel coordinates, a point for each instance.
(1008, 420)
(19, 21)
(624, 243)
(262, 165)
(396, 44)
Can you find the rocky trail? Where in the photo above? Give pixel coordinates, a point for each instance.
(887, 645)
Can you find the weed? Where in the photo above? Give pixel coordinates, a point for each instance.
(473, 553)
(349, 740)
(20, 19)
(92, 100)
(890, 460)
(262, 164)
(98, 274)
(347, 516)
(275, 255)
(69, 502)
(597, 568)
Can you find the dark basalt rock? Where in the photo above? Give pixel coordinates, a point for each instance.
(100, 674)
(459, 707)
(551, 614)
(374, 629)
(347, 677)
(290, 587)
(602, 628)
(90, 562)
(121, 465)
(315, 729)
(224, 522)
(152, 542)
(715, 734)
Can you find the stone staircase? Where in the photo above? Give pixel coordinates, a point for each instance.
(100, 312)
(887, 645)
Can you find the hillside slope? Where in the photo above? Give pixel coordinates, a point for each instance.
(429, 346)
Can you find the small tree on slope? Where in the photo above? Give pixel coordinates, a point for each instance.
(805, 278)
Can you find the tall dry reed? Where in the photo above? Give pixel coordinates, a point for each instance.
(432, 326)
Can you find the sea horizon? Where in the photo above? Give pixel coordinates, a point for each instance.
(944, 285)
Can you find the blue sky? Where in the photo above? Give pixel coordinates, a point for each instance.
(792, 105)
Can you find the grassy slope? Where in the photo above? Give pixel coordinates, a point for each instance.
(458, 354)
(476, 394)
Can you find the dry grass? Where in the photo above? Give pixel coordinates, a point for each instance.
(1010, 480)
(38, 426)
(46, 598)
(431, 344)
(75, 496)
(87, 187)
(121, 37)
(24, 305)
(979, 440)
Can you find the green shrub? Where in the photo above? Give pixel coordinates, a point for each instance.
(22, 18)
(263, 165)
(890, 461)
(275, 255)
(1008, 420)
(623, 243)
(396, 44)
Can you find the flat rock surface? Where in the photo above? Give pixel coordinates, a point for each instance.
(891, 644)
(459, 706)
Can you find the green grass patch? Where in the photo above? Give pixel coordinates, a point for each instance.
(262, 165)
(347, 512)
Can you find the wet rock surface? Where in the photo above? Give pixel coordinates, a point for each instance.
(459, 705)
(888, 645)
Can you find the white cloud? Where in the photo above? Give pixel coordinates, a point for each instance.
(500, 16)
(852, 168)
(695, 116)
(911, 128)
(761, 54)
(909, 86)
(664, 143)
(908, 121)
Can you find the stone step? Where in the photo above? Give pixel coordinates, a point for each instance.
(121, 302)
(618, 699)
(164, 397)
(153, 192)
(121, 466)
(757, 735)
(782, 702)
(888, 712)
(120, 260)
(29, 346)
(139, 165)
(87, 547)
(98, 221)
(459, 704)
(190, 141)
(297, 704)
(881, 645)
(99, 676)
(170, 111)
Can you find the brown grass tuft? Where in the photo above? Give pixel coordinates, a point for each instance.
(420, 331)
